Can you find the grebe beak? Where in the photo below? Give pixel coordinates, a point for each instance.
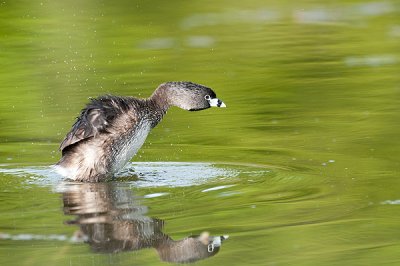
(217, 103)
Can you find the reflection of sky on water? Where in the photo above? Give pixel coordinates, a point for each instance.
(395, 31)
(391, 202)
(342, 13)
(306, 15)
(158, 43)
(149, 174)
(371, 60)
(230, 17)
(346, 15)
(201, 41)
(174, 174)
(30, 237)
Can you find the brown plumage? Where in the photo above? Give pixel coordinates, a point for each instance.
(111, 129)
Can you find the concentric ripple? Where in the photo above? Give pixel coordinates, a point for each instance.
(146, 174)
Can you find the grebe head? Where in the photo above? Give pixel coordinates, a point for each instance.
(187, 95)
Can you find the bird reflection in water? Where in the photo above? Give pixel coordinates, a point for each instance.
(111, 220)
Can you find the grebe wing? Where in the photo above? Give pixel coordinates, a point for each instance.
(90, 123)
(95, 118)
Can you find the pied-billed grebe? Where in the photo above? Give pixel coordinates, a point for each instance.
(111, 129)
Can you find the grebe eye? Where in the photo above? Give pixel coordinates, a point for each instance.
(207, 97)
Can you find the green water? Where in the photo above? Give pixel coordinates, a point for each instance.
(301, 169)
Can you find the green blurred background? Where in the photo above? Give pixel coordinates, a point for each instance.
(312, 89)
